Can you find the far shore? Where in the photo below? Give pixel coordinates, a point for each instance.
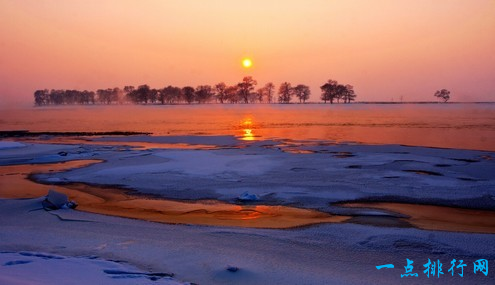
(21, 105)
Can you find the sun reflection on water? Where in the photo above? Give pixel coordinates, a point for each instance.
(247, 130)
(248, 135)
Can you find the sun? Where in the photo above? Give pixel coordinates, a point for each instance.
(247, 62)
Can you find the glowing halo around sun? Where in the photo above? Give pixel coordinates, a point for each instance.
(247, 62)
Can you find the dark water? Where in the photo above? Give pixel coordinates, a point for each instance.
(466, 126)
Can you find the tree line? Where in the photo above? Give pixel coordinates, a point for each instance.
(242, 92)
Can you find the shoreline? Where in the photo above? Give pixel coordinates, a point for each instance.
(257, 104)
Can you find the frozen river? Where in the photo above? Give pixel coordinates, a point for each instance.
(463, 126)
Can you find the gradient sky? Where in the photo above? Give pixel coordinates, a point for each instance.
(385, 48)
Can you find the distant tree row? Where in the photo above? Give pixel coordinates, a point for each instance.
(332, 91)
(243, 92)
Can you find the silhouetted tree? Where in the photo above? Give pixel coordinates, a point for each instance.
(109, 95)
(41, 97)
(56, 97)
(332, 90)
(260, 94)
(170, 94)
(220, 90)
(302, 92)
(269, 91)
(88, 97)
(340, 91)
(117, 95)
(231, 94)
(127, 91)
(329, 91)
(203, 93)
(143, 93)
(265, 93)
(253, 97)
(104, 95)
(443, 94)
(241, 92)
(246, 87)
(153, 95)
(188, 93)
(133, 96)
(349, 94)
(285, 92)
(69, 97)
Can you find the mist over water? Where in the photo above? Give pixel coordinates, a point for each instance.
(464, 126)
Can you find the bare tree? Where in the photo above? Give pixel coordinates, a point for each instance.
(328, 91)
(232, 94)
(118, 95)
(127, 91)
(246, 87)
(302, 92)
(260, 94)
(188, 94)
(220, 90)
(143, 93)
(203, 93)
(41, 97)
(170, 94)
(153, 95)
(285, 92)
(269, 91)
(105, 96)
(349, 94)
(443, 94)
(340, 91)
(332, 90)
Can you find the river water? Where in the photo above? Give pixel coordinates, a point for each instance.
(464, 126)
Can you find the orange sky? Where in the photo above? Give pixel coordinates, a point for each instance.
(386, 49)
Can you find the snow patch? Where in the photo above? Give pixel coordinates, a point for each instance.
(9, 145)
(246, 196)
(39, 268)
(201, 163)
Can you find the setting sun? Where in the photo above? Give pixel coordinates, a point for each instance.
(247, 63)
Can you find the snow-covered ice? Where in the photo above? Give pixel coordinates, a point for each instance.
(345, 253)
(313, 180)
(37, 268)
(9, 144)
(324, 254)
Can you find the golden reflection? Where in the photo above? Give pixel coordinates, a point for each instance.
(14, 183)
(248, 135)
(247, 122)
(247, 129)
